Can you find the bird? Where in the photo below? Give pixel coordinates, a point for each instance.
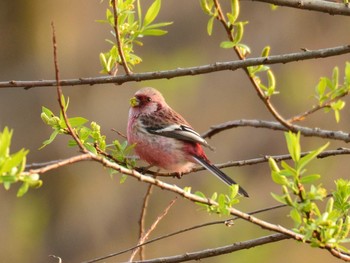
(163, 138)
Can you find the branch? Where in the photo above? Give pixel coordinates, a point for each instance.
(154, 225)
(117, 36)
(218, 251)
(265, 99)
(143, 217)
(60, 93)
(180, 72)
(57, 164)
(220, 222)
(253, 161)
(317, 132)
(331, 8)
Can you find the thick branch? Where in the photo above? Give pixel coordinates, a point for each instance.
(331, 8)
(180, 72)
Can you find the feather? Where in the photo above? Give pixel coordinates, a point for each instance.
(217, 172)
(180, 132)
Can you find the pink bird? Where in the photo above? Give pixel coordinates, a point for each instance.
(164, 138)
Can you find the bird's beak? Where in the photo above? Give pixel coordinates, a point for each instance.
(134, 102)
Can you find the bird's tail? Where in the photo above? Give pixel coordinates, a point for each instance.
(220, 174)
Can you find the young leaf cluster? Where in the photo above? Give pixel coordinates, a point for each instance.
(330, 227)
(131, 29)
(225, 201)
(236, 28)
(254, 71)
(90, 136)
(12, 166)
(329, 91)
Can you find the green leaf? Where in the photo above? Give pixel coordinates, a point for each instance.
(234, 11)
(239, 32)
(321, 89)
(279, 198)
(206, 6)
(279, 179)
(295, 215)
(309, 157)
(152, 12)
(293, 145)
(347, 75)
(244, 49)
(15, 160)
(47, 111)
(23, 189)
(77, 121)
(5, 142)
(227, 44)
(335, 77)
(266, 51)
(210, 25)
(154, 32)
(50, 140)
(309, 178)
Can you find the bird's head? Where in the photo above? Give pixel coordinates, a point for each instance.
(147, 100)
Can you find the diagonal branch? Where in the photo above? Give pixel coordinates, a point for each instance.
(146, 235)
(60, 93)
(207, 253)
(181, 72)
(265, 99)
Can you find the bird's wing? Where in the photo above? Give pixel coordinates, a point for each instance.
(180, 132)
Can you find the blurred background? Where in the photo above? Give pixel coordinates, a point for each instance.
(80, 212)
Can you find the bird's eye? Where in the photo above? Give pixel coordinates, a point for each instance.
(149, 99)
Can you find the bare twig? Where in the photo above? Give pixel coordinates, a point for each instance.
(117, 36)
(329, 7)
(218, 251)
(143, 217)
(316, 132)
(218, 222)
(60, 93)
(180, 72)
(58, 164)
(154, 225)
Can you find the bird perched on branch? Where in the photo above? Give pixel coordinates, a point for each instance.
(164, 138)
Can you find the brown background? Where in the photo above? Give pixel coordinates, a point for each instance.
(80, 212)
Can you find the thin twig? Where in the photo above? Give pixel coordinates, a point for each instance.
(58, 164)
(198, 255)
(60, 93)
(227, 222)
(316, 108)
(154, 225)
(180, 72)
(329, 7)
(315, 132)
(143, 217)
(117, 36)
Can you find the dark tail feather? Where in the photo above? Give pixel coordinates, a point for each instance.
(220, 174)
